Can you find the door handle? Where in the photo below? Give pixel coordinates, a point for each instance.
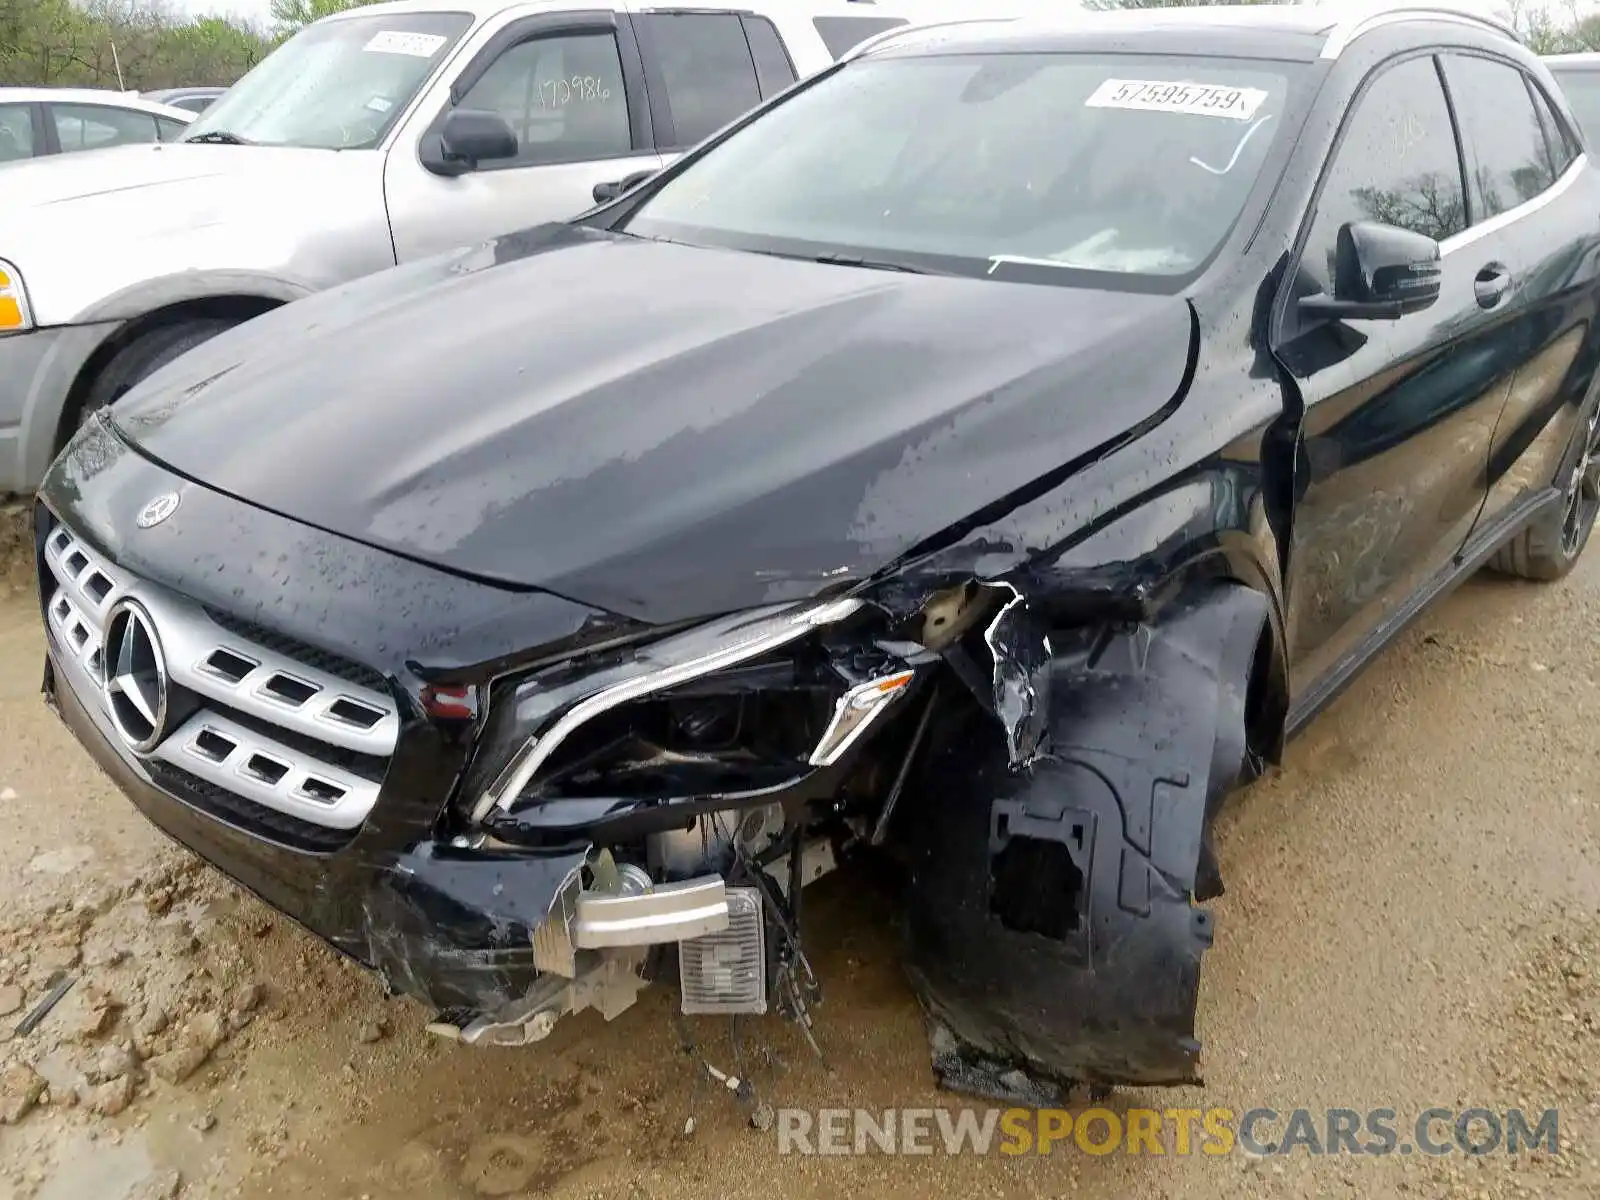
(1491, 284)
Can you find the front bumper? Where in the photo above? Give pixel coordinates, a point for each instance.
(453, 929)
(37, 372)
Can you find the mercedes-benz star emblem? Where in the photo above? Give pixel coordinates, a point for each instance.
(136, 677)
(158, 510)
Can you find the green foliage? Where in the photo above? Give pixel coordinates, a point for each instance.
(66, 44)
(1546, 36)
(290, 15)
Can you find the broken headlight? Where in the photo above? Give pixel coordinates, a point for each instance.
(743, 704)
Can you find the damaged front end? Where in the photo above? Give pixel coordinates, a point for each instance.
(1049, 783)
(676, 794)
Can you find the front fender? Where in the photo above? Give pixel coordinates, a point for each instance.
(117, 252)
(1053, 935)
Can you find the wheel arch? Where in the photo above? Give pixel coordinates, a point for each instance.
(237, 306)
(1212, 529)
(1074, 888)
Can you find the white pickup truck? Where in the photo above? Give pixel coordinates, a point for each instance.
(373, 137)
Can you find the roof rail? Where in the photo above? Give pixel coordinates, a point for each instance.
(1347, 30)
(889, 35)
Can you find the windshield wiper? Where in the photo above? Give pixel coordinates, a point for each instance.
(876, 264)
(220, 137)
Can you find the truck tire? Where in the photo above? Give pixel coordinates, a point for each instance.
(141, 358)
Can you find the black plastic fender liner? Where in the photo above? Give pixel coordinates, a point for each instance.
(1052, 933)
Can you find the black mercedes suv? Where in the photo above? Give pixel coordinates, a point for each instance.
(976, 460)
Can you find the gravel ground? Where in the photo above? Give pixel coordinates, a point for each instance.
(1412, 920)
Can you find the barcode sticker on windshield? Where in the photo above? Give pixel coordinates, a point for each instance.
(1199, 99)
(395, 41)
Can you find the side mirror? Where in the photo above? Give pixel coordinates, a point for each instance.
(1380, 273)
(605, 192)
(469, 136)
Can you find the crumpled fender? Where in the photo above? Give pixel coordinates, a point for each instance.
(1053, 936)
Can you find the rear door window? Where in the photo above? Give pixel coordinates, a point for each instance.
(706, 68)
(841, 34)
(16, 132)
(1508, 162)
(1558, 135)
(93, 126)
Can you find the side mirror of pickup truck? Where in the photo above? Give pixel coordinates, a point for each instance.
(469, 136)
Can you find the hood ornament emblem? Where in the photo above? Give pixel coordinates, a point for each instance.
(157, 510)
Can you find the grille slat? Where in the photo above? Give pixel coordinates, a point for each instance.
(256, 819)
(321, 660)
(296, 739)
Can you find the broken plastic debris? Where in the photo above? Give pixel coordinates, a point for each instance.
(51, 998)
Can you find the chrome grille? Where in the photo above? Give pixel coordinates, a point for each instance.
(277, 731)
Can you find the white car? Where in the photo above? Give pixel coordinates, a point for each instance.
(38, 121)
(376, 136)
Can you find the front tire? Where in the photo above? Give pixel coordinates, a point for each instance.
(1549, 548)
(140, 359)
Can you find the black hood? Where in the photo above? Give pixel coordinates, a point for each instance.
(659, 430)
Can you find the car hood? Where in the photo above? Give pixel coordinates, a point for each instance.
(159, 174)
(656, 429)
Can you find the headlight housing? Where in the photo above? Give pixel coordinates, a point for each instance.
(14, 314)
(740, 704)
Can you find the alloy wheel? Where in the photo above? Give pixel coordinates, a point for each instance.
(1583, 489)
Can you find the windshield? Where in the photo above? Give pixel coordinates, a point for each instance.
(985, 163)
(335, 85)
(1582, 90)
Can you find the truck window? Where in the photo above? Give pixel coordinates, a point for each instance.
(337, 84)
(840, 34)
(562, 96)
(706, 67)
(774, 69)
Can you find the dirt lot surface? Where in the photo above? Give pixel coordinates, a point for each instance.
(1412, 920)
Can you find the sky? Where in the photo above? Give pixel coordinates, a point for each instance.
(255, 11)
